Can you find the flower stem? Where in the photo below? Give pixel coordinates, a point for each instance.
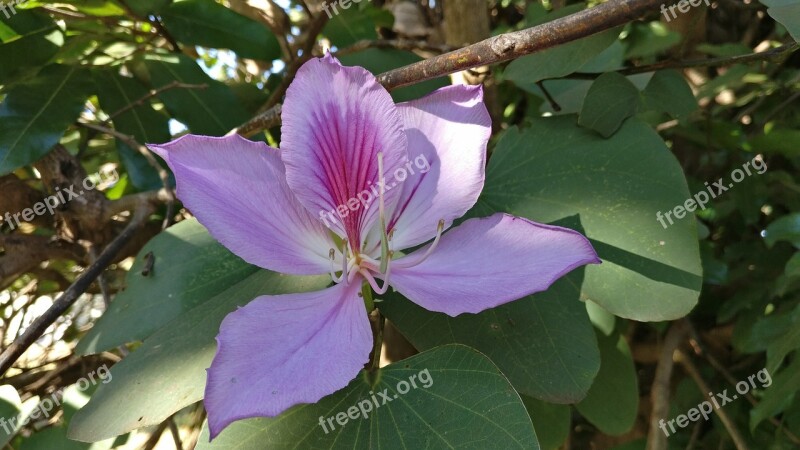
(377, 321)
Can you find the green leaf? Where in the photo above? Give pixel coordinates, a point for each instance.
(212, 112)
(543, 343)
(550, 421)
(616, 186)
(29, 40)
(355, 23)
(36, 113)
(669, 92)
(467, 404)
(116, 92)
(613, 400)
(147, 7)
(558, 61)
(787, 228)
(209, 24)
(101, 8)
(784, 343)
(778, 395)
(787, 13)
(611, 100)
(778, 140)
(167, 372)
(188, 269)
(650, 39)
(378, 61)
(10, 405)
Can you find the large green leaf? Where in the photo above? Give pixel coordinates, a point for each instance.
(467, 404)
(145, 124)
(616, 187)
(558, 61)
(610, 100)
(29, 39)
(613, 400)
(36, 113)
(188, 268)
(167, 372)
(382, 60)
(213, 111)
(209, 24)
(543, 343)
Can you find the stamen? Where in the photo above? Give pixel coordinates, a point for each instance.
(371, 280)
(382, 215)
(332, 256)
(403, 264)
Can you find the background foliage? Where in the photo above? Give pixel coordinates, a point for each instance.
(599, 135)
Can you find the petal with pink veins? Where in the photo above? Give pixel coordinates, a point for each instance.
(447, 132)
(280, 351)
(335, 121)
(237, 189)
(490, 261)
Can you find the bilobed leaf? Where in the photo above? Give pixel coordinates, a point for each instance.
(669, 92)
(616, 187)
(168, 372)
(613, 400)
(558, 61)
(145, 124)
(187, 269)
(36, 113)
(543, 343)
(212, 111)
(382, 60)
(29, 39)
(467, 404)
(611, 100)
(209, 24)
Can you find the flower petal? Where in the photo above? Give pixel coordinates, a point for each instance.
(335, 121)
(447, 133)
(279, 351)
(487, 262)
(237, 189)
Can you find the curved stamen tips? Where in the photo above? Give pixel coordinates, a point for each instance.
(332, 256)
(404, 264)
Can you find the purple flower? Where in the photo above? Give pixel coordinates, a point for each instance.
(341, 134)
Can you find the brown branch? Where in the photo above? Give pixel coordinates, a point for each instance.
(24, 253)
(660, 392)
(11, 354)
(494, 50)
(690, 368)
(509, 46)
